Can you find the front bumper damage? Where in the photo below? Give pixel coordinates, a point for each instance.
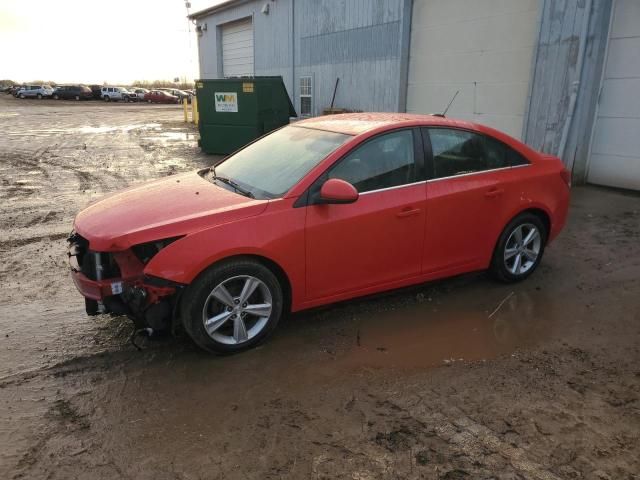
(115, 282)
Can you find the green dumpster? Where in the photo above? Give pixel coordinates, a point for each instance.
(236, 111)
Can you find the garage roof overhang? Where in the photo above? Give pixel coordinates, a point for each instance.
(216, 8)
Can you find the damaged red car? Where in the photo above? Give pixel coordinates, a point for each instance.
(320, 211)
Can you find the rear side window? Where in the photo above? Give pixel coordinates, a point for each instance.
(459, 152)
(383, 162)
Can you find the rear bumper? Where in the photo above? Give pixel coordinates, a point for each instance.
(560, 215)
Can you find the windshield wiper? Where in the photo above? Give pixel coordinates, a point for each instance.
(234, 185)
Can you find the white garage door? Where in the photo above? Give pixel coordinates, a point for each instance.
(237, 48)
(615, 148)
(483, 48)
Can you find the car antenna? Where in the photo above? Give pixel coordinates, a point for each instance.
(443, 114)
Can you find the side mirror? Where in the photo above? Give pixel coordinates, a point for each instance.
(335, 190)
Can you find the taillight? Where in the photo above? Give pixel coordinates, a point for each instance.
(566, 176)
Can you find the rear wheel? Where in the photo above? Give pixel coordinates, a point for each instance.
(519, 249)
(232, 306)
(56, 97)
(77, 98)
(106, 98)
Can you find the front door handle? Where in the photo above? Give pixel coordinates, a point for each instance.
(408, 212)
(494, 192)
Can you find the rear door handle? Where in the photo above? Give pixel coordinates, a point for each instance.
(408, 212)
(494, 192)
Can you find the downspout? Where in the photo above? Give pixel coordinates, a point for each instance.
(575, 87)
(534, 66)
(405, 49)
(293, 54)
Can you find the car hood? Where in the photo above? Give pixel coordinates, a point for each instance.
(170, 207)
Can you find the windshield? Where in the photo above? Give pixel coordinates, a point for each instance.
(269, 167)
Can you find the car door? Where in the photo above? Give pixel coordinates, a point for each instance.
(379, 238)
(470, 189)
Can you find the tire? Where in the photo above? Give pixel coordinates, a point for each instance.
(22, 96)
(56, 97)
(77, 98)
(199, 304)
(39, 96)
(148, 101)
(106, 98)
(517, 256)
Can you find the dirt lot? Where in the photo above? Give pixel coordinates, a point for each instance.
(461, 379)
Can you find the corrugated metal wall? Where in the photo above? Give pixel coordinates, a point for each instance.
(362, 42)
(358, 41)
(555, 75)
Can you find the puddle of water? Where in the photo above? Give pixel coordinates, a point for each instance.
(171, 136)
(311, 350)
(418, 336)
(122, 128)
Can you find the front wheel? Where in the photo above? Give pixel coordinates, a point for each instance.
(39, 96)
(232, 306)
(519, 249)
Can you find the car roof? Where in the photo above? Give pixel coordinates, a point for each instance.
(358, 123)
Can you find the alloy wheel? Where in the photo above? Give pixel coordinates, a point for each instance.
(522, 249)
(237, 310)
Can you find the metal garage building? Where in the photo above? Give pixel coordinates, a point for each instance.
(563, 75)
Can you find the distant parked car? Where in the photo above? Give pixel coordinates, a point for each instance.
(109, 94)
(129, 95)
(140, 93)
(160, 96)
(181, 94)
(96, 90)
(15, 89)
(76, 92)
(35, 91)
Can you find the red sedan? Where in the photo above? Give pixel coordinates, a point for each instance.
(160, 96)
(320, 211)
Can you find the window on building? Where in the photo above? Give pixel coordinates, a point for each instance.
(457, 152)
(383, 162)
(306, 94)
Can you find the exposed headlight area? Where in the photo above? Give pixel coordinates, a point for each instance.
(94, 265)
(146, 251)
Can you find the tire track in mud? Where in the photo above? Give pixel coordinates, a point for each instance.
(5, 245)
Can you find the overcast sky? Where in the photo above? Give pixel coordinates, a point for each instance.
(92, 41)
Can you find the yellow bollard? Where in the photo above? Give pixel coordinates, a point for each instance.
(185, 109)
(194, 107)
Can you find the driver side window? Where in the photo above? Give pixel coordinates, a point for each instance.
(383, 162)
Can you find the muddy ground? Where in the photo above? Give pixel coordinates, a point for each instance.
(460, 379)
